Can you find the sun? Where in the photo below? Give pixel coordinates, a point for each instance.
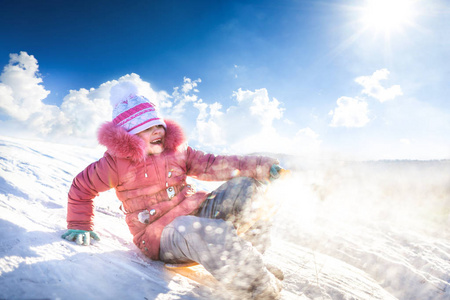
(387, 15)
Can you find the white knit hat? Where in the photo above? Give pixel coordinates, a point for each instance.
(132, 112)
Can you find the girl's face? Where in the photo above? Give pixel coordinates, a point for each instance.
(154, 139)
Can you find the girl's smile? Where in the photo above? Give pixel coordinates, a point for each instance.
(154, 139)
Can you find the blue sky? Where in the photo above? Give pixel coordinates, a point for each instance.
(305, 77)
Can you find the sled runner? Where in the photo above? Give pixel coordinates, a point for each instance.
(195, 272)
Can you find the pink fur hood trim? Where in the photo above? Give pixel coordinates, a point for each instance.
(124, 145)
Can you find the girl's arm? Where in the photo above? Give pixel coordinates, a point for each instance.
(210, 167)
(98, 177)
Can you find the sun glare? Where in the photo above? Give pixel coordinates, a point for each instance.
(387, 15)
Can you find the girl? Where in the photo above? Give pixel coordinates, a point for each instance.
(147, 162)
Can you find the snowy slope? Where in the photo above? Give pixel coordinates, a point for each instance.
(344, 231)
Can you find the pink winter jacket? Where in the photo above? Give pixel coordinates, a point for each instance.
(141, 181)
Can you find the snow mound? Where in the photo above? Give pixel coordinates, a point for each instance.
(343, 231)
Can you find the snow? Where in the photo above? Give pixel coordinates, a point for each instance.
(344, 230)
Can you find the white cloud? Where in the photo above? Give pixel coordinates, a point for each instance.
(190, 85)
(350, 112)
(373, 87)
(260, 105)
(254, 113)
(84, 110)
(183, 96)
(21, 91)
(353, 112)
(240, 128)
(207, 130)
(248, 127)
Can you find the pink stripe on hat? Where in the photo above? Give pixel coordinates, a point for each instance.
(140, 108)
(133, 113)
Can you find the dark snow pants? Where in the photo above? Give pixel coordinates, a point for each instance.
(211, 236)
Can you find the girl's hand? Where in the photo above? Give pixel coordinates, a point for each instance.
(276, 172)
(81, 237)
